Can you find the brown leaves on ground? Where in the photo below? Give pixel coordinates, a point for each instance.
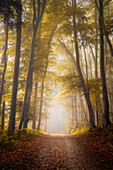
(91, 151)
(101, 140)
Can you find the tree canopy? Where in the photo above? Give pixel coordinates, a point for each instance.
(46, 45)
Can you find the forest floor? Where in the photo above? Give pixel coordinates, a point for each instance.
(92, 151)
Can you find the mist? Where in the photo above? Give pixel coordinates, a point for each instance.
(56, 123)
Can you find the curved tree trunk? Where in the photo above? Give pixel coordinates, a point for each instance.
(84, 87)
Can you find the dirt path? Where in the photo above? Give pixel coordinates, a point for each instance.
(60, 152)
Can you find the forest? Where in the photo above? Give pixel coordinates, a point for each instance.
(47, 43)
(56, 50)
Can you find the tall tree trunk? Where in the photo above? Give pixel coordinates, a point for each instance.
(4, 61)
(46, 66)
(106, 52)
(2, 73)
(16, 70)
(104, 29)
(42, 92)
(102, 70)
(84, 87)
(96, 59)
(28, 90)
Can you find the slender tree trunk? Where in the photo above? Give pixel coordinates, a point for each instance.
(104, 29)
(103, 79)
(41, 103)
(76, 115)
(46, 66)
(28, 90)
(90, 66)
(86, 64)
(45, 127)
(35, 96)
(73, 111)
(4, 61)
(106, 52)
(84, 87)
(93, 56)
(83, 110)
(96, 59)
(74, 107)
(41, 97)
(4, 66)
(45, 122)
(96, 45)
(3, 115)
(16, 71)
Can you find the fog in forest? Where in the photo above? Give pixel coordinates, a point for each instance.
(56, 123)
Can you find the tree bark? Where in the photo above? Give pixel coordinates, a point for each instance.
(28, 90)
(96, 59)
(84, 87)
(45, 122)
(83, 110)
(35, 96)
(4, 61)
(73, 111)
(2, 73)
(3, 115)
(46, 66)
(104, 29)
(16, 70)
(41, 103)
(76, 115)
(102, 70)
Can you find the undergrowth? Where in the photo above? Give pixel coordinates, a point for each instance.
(8, 142)
(81, 130)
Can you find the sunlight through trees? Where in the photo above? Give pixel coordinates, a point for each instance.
(56, 54)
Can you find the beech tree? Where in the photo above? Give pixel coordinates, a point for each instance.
(104, 28)
(102, 70)
(16, 70)
(78, 58)
(45, 71)
(37, 17)
(3, 66)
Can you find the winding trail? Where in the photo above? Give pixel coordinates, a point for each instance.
(60, 152)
